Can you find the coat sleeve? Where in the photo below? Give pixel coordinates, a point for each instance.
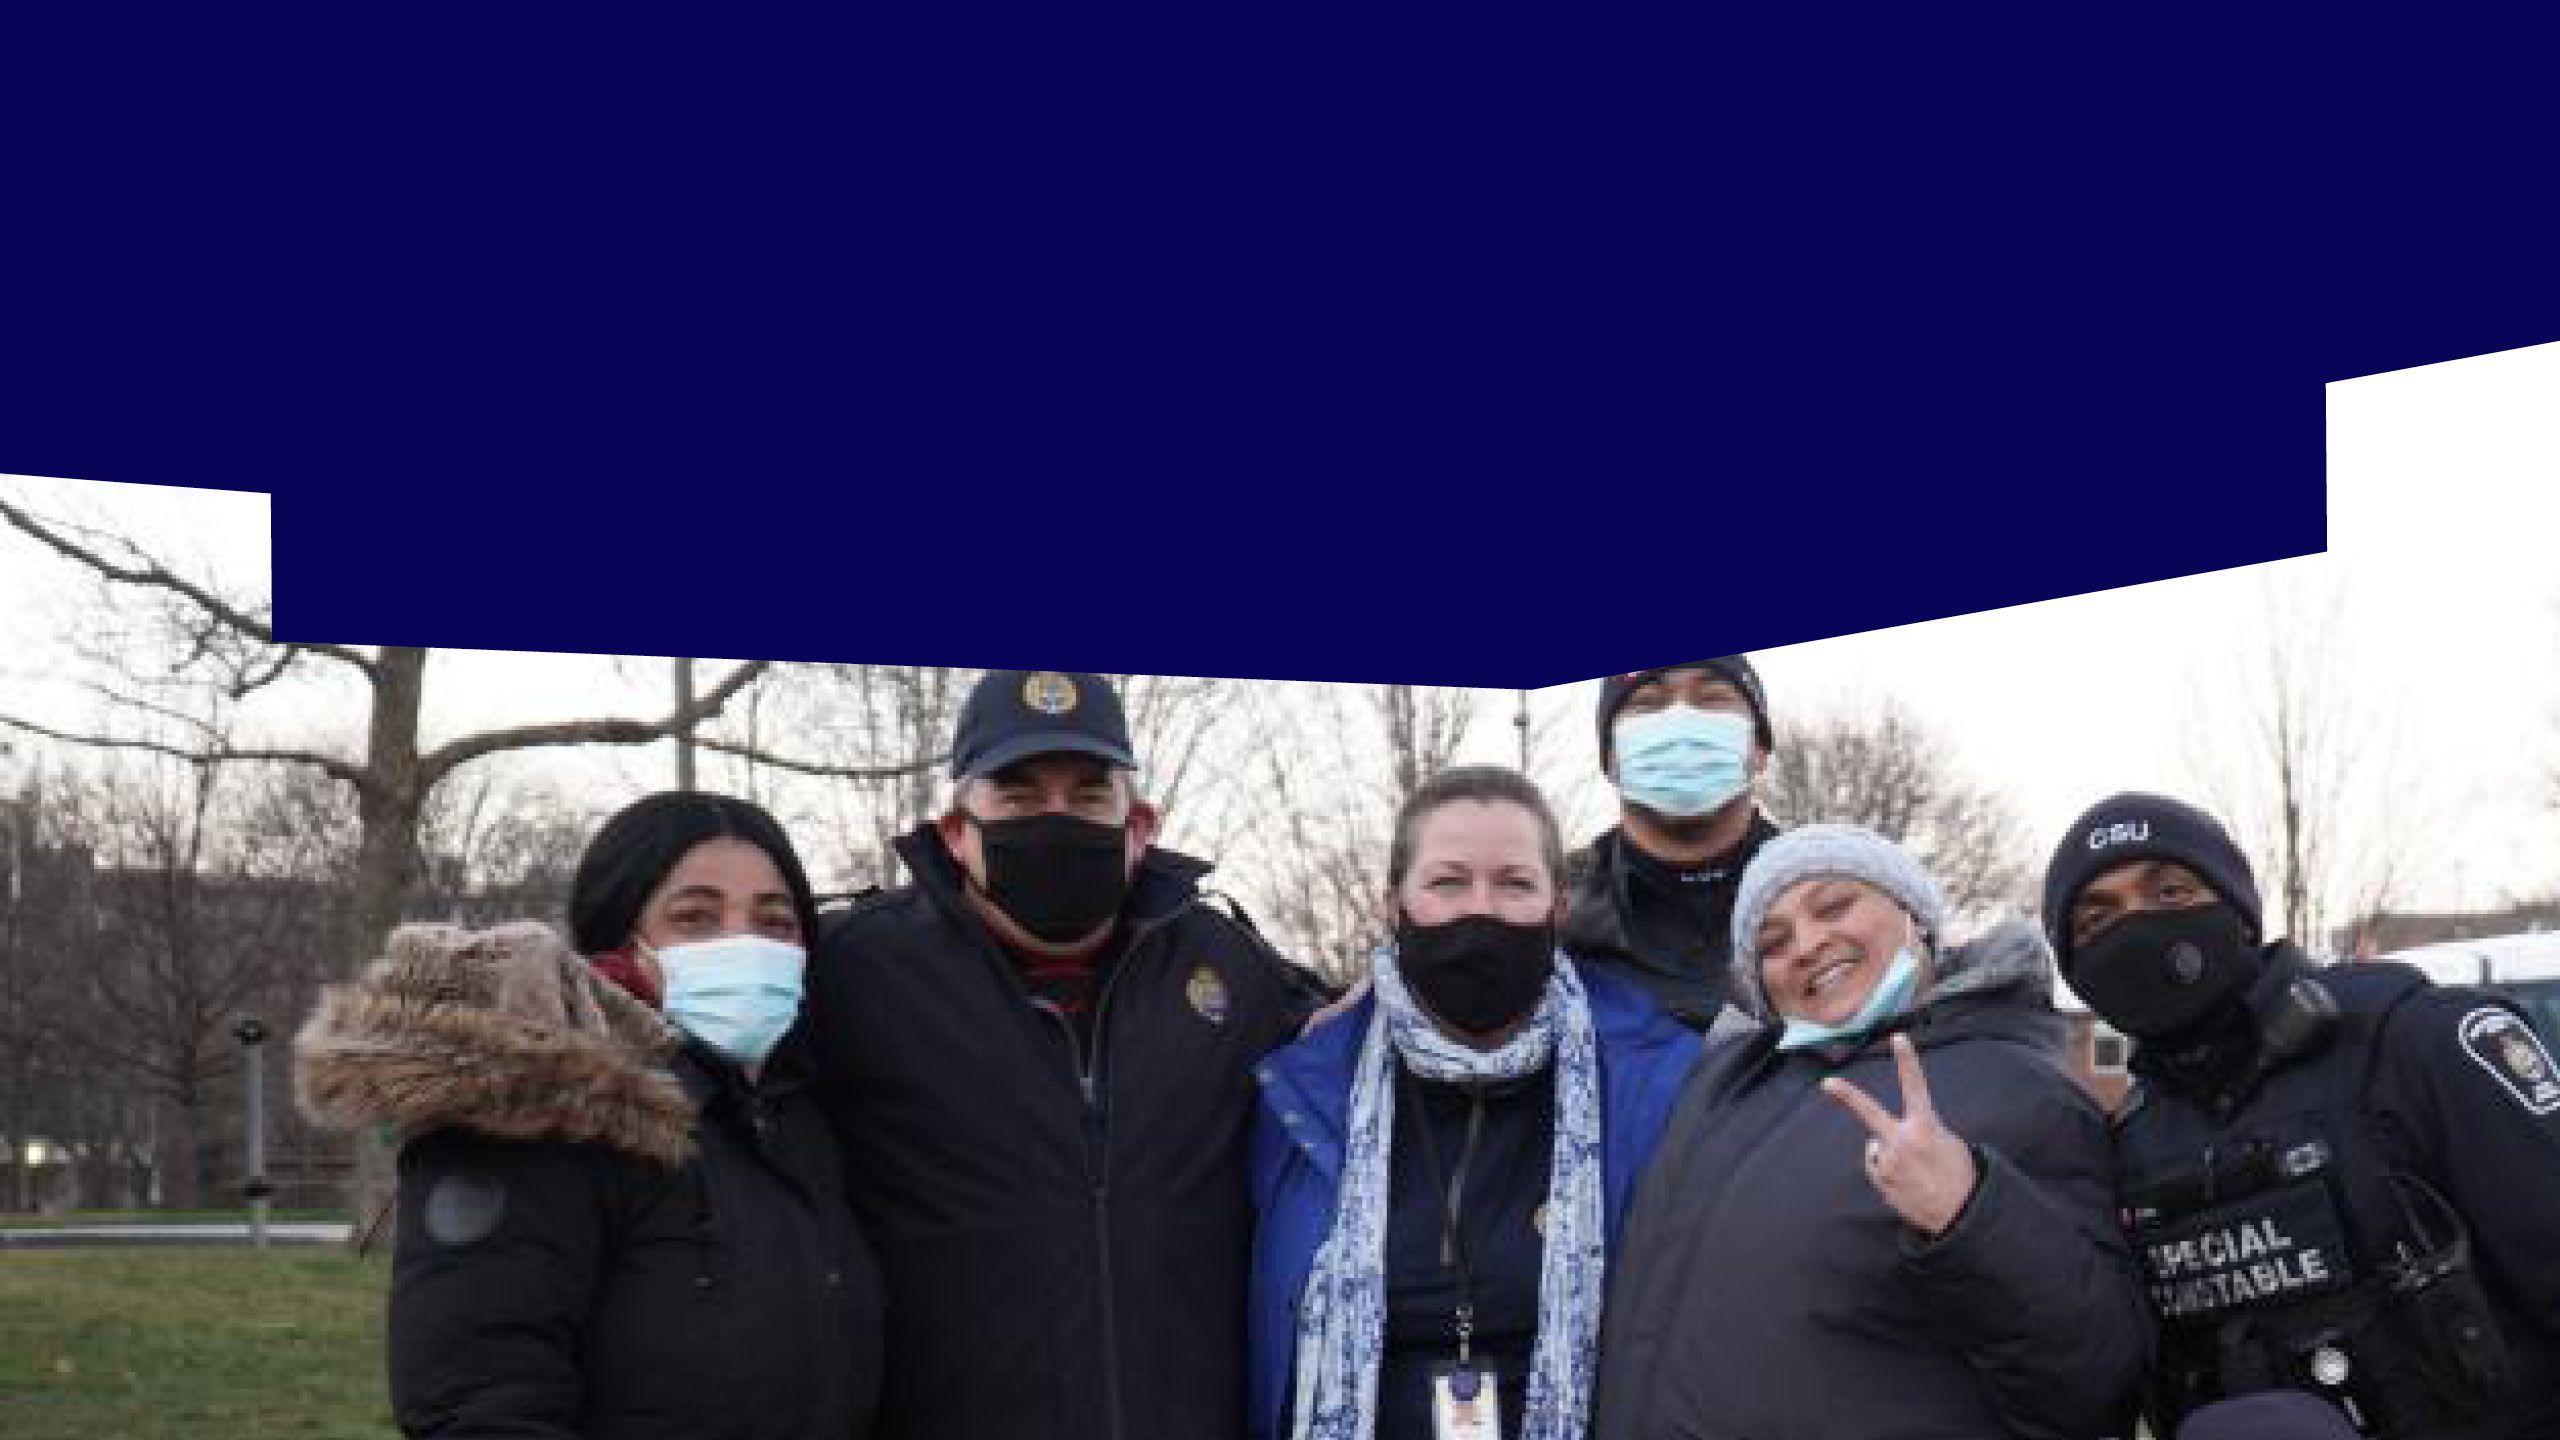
(1270, 1335)
(494, 1272)
(2480, 1089)
(2034, 1282)
(828, 1009)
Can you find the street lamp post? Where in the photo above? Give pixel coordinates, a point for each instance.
(252, 1035)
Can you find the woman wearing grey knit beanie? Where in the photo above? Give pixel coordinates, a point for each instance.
(1889, 1211)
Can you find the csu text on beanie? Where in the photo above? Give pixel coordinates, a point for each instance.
(2136, 826)
(1615, 689)
(1810, 851)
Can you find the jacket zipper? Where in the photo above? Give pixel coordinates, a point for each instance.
(1097, 1138)
(760, 1120)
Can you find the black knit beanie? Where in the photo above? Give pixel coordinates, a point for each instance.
(2135, 826)
(630, 857)
(1615, 689)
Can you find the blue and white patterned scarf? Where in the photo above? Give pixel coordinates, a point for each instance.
(1342, 1315)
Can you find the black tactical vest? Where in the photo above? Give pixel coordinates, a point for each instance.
(2292, 1244)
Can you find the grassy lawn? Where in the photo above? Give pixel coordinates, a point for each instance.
(192, 1343)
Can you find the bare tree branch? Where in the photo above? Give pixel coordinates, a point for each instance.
(211, 732)
(1874, 763)
(437, 763)
(1171, 717)
(257, 680)
(150, 574)
(222, 755)
(760, 756)
(2310, 782)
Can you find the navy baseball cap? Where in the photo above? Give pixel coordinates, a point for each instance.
(1015, 714)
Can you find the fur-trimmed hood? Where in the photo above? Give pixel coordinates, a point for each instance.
(504, 1031)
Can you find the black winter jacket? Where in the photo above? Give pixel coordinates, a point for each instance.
(1771, 1293)
(1621, 923)
(1065, 1235)
(570, 1261)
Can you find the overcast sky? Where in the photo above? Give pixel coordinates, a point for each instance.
(2444, 562)
(2444, 515)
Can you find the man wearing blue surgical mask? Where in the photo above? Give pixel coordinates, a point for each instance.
(1653, 896)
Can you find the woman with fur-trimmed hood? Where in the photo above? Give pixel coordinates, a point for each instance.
(618, 1216)
(1888, 1213)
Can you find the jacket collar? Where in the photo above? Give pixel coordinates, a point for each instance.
(1602, 883)
(2227, 1050)
(710, 1078)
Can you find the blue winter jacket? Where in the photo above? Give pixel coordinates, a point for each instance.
(1301, 1126)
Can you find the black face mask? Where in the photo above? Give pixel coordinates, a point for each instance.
(1477, 973)
(1058, 876)
(2159, 974)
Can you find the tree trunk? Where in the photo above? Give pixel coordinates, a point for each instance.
(387, 808)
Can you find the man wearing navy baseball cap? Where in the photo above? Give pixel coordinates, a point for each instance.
(1652, 898)
(1039, 1054)
(2341, 1181)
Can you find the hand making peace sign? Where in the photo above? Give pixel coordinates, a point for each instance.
(1922, 1169)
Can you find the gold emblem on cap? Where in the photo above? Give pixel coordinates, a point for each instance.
(1048, 692)
(1538, 1219)
(1207, 992)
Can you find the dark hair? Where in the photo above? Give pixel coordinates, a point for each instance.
(630, 857)
(1484, 784)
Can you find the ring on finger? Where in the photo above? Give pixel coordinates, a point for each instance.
(1875, 1152)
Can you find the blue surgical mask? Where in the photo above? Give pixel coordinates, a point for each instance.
(1683, 761)
(736, 994)
(1890, 998)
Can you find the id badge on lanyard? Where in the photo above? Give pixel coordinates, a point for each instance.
(1466, 1401)
(1466, 1394)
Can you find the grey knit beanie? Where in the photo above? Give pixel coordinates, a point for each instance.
(1811, 850)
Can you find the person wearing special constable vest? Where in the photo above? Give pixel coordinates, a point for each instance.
(1652, 898)
(1040, 1057)
(2341, 1181)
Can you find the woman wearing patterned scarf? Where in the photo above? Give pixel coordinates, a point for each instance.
(1438, 1174)
(1889, 1213)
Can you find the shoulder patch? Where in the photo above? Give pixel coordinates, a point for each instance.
(2507, 1048)
(464, 1209)
(1207, 992)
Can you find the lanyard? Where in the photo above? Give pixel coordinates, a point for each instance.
(1451, 1191)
